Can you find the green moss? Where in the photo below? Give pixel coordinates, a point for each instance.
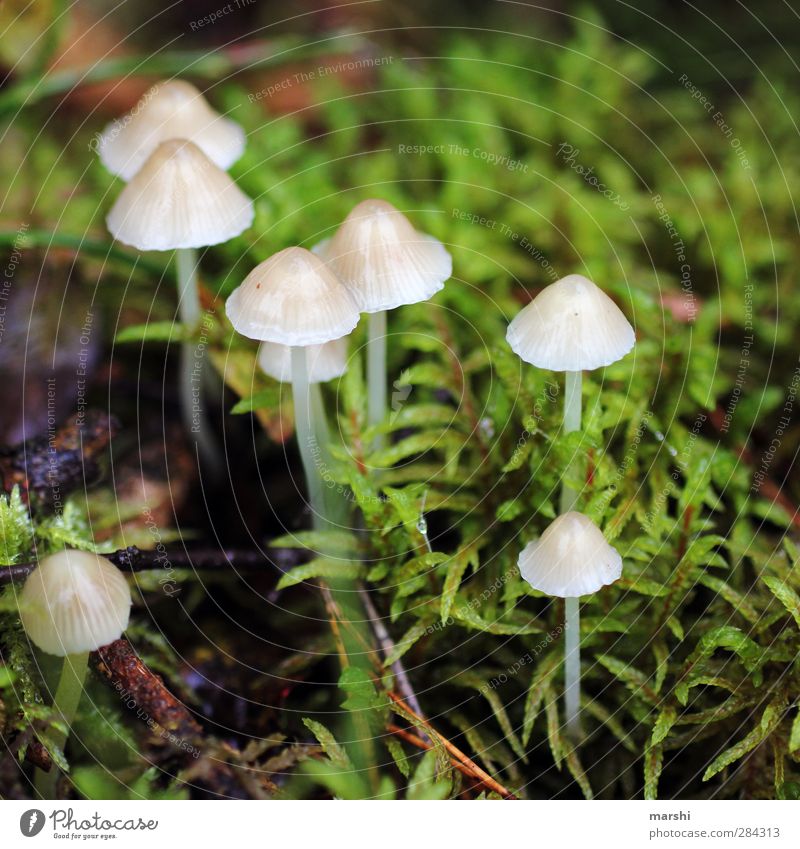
(531, 160)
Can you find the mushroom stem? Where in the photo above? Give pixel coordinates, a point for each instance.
(66, 700)
(376, 370)
(335, 503)
(323, 434)
(572, 627)
(572, 422)
(188, 295)
(347, 618)
(572, 665)
(306, 435)
(191, 384)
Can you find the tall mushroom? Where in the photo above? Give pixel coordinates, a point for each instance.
(73, 603)
(294, 299)
(180, 200)
(385, 263)
(571, 326)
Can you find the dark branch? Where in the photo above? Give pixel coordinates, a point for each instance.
(133, 559)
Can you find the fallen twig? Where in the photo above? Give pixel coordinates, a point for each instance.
(388, 646)
(144, 691)
(453, 749)
(414, 740)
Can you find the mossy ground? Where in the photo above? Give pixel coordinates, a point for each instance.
(530, 158)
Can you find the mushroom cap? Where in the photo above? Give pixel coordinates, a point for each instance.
(383, 260)
(294, 299)
(171, 109)
(74, 602)
(179, 199)
(571, 325)
(571, 558)
(324, 362)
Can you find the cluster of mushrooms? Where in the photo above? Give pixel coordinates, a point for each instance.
(301, 305)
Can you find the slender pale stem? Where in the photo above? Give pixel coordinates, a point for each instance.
(572, 422)
(376, 371)
(66, 700)
(572, 626)
(307, 435)
(320, 419)
(193, 362)
(188, 294)
(388, 646)
(572, 666)
(333, 495)
(328, 507)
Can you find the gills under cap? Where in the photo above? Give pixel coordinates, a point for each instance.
(571, 325)
(179, 199)
(324, 362)
(74, 602)
(383, 260)
(170, 109)
(570, 559)
(293, 299)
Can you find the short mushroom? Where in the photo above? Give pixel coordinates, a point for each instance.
(385, 263)
(570, 326)
(180, 200)
(171, 109)
(73, 603)
(570, 559)
(294, 299)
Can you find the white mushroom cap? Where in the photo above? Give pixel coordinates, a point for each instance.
(179, 199)
(570, 559)
(292, 298)
(324, 362)
(383, 260)
(74, 602)
(172, 109)
(571, 326)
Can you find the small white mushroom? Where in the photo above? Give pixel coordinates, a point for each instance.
(179, 199)
(324, 362)
(383, 260)
(571, 325)
(171, 109)
(292, 299)
(385, 263)
(74, 602)
(570, 559)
